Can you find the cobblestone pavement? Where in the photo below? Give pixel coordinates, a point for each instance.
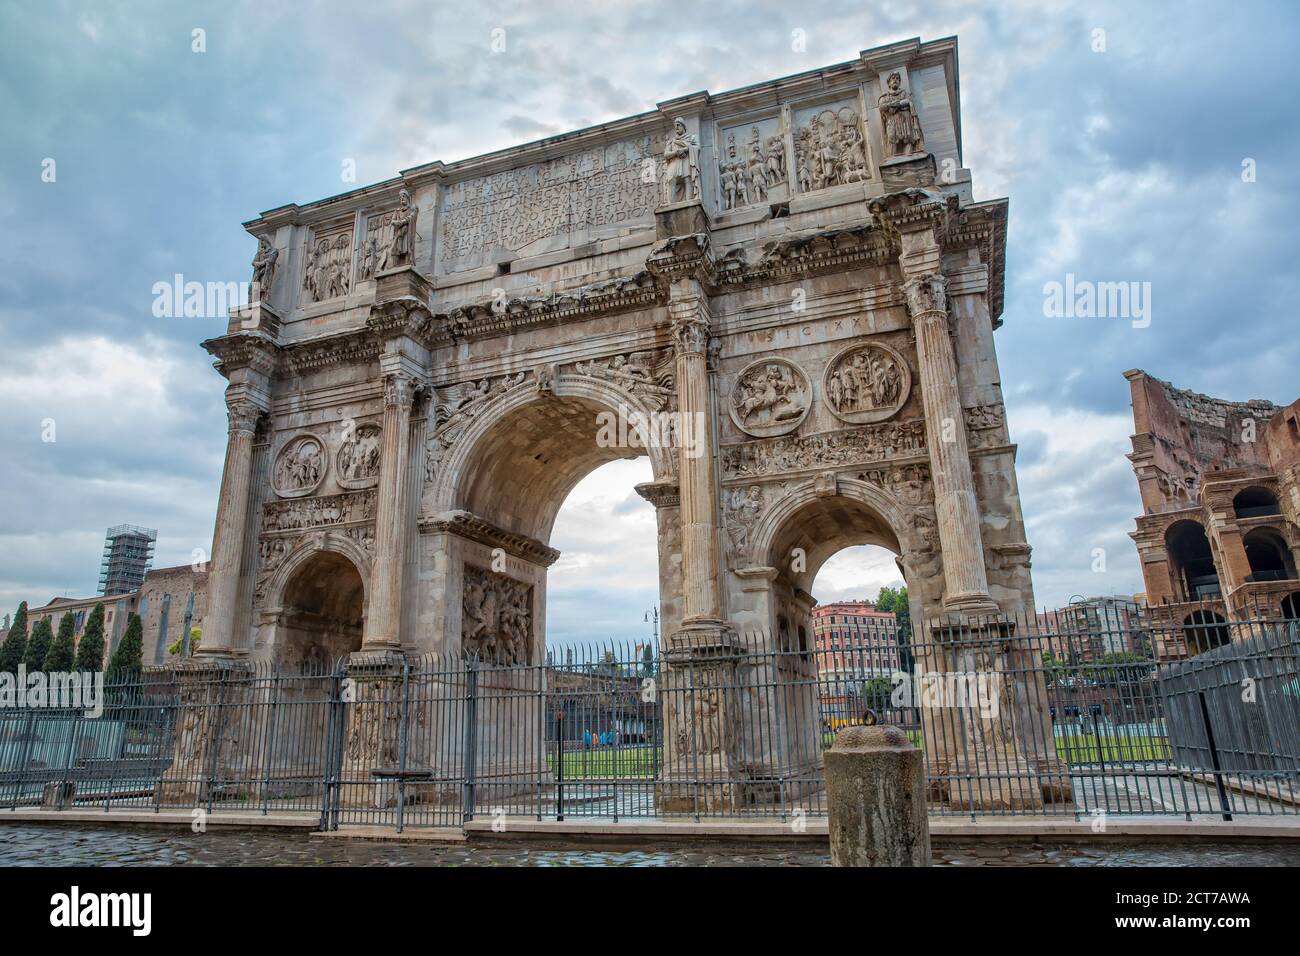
(46, 845)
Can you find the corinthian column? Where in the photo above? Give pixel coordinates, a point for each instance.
(945, 432)
(228, 536)
(688, 309)
(383, 620)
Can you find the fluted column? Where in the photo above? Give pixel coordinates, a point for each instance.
(228, 536)
(957, 512)
(383, 620)
(689, 310)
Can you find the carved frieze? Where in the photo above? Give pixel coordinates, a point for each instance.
(646, 375)
(866, 383)
(357, 460)
(347, 508)
(770, 397)
(849, 447)
(300, 467)
(455, 407)
(586, 190)
(497, 618)
(830, 148)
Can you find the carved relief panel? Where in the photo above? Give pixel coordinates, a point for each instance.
(752, 165)
(830, 146)
(866, 383)
(497, 619)
(770, 397)
(300, 467)
(357, 460)
(328, 270)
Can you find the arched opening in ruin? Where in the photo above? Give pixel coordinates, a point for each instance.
(816, 531)
(1270, 558)
(525, 456)
(1291, 607)
(1254, 502)
(605, 586)
(1191, 562)
(1204, 630)
(859, 647)
(322, 616)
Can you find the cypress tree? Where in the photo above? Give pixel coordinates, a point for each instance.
(130, 651)
(38, 645)
(90, 650)
(59, 657)
(15, 643)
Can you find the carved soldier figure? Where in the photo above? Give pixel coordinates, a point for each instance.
(902, 128)
(264, 267)
(401, 244)
(681, 178)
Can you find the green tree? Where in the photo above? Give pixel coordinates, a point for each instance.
(130, 650)
(62, 648)
(15, 643)
(1121, 667)
(895, 600)
(90, 650)
(38, 645)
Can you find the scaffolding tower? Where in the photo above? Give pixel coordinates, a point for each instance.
(128, 551)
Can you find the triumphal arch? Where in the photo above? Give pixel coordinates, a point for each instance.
(785, 296)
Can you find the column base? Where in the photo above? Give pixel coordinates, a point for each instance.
(206, 735)
(972, 604)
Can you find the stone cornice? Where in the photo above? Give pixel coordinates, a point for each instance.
(683, 257)
(468, 525)
(251, 350)
(661, 494)
(488, 317)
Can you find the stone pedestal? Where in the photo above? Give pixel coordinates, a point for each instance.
(701, 775)
(875, 797)
(210, 705)
(978, 739)
(373, 702)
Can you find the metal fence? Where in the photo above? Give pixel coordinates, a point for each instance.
(1013, 718)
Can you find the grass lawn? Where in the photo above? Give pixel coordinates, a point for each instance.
(630, 761)
(1083, 749)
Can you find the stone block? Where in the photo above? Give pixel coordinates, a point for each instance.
(875, 795)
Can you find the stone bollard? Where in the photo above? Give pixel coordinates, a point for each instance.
(875, 795)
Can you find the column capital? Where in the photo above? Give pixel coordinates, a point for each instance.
(399, 389)
(926, 294)
(243, 414)
(688, 311)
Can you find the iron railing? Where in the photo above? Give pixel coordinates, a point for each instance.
(1013, 718)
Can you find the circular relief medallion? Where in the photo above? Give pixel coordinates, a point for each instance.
(866, 383)
(300, 467)
(356, 463)
(771, 397)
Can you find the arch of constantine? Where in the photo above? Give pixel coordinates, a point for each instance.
(785, 296)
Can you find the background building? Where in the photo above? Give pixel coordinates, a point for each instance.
(127, 553)
(856, 646)
(169, 602)
(1219, 532)
(1087, 629)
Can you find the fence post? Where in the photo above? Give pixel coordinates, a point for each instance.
(268, 750)
(401, 742)
(1214, 758)
(559, 764)
(470, 738)
(64, 783)
(23, 765)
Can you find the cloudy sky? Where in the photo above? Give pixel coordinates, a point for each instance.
(1122, 164)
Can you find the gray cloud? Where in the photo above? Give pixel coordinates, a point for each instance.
(1119, 165)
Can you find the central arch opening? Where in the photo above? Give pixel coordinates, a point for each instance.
(581, 448)
(323, 612)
